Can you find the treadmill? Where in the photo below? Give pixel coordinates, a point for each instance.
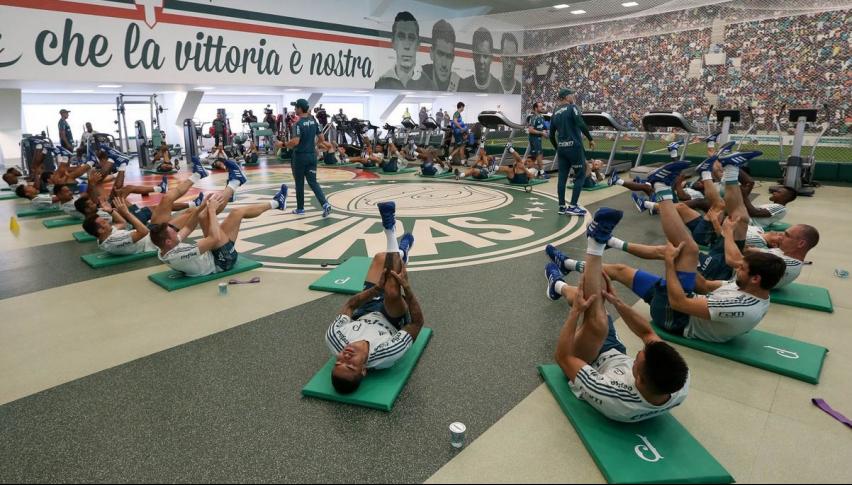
(493, 120)
(602, 119)
(661, 119)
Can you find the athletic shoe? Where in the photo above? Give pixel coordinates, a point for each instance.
(575, 210)
(552, 273)
(388, 211)
(164, 185)
(199, 200)
(563, 210)
(603, 224)
(713, 138)
(613, 180)
(234, 172)
(198, 168)
(544, 176)
(557, 257)
(639, 202)
(725, 148)
(281, 197)
(405, 245)
(739, 158)
(673, 148)
(298, 212)
(667, 173)
(457, 173)
(707, 165)
(326, 209)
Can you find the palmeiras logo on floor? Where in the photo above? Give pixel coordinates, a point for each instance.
(454, 224)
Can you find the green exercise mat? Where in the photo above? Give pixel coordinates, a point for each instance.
(30, 212)
(803, 296)
(371, 169)
(531, 182)
(777, 227)
(62, 222)
(380, 388)
(491, 178)
(400, 171)
(83, 236)
(781, 355)
(149, 171)
(340, 165)
(5, 189)
(599, 186)
(175, 280)
(658, 450)
(9, 196)
(102, 259)
(444, 175)
(348, 278)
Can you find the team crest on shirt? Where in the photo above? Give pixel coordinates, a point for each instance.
(453, 223)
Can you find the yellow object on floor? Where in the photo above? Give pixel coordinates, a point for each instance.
(14, 226)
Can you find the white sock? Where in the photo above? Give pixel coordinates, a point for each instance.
(594, 248)
(462, 175)
(574, 265)
(619, 182)
(393, 244)
(122, 168)
(559, 285)
(731, 175)
(706, 176)
(650, 205)
(195, 178)
(511, 149)
(234, 184)
(616, 243)
(158, 189)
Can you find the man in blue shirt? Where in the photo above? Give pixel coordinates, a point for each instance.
(66, 138)
(566, 127)
(304, 145)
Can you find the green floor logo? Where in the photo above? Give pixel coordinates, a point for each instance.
(454, 224)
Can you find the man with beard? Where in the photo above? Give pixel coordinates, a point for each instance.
(443, 54)
(483, 52)
(405, 41)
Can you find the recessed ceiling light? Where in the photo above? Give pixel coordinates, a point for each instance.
(561, 5)
(362, 91)
(407, 92)
(629, 4)
(578, 12)
(81, 91)
(482, 95)
(293, 90)
(109, 85)
(205, 88)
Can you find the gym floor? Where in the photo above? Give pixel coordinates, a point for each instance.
(104, 376)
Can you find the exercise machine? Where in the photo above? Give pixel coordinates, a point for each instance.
(798, 171)
(602, 119)
(661, 119)
(493, 121)
(121, 103)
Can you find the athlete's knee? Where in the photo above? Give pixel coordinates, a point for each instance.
(690, 248)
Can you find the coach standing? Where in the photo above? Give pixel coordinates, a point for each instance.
(306, 133)
(566, 127)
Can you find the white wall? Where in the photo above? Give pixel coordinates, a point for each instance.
(10, 126)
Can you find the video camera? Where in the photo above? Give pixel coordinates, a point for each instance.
(268, 110)
(249, 117)
(321, 115)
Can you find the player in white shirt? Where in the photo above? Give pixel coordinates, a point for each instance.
(378, 326)
(595, 361)
(215, 252)
(120, 239)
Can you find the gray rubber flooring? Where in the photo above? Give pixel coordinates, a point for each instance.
(227, 408)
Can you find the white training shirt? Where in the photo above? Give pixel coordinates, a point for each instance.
(754, 237)
(608, 385)
(777, 212)
(42, 201)
(70, 210)
(733, 312)
(387, 344)
(793, 269)
(693, 194)
(120, 242)
(187, 259)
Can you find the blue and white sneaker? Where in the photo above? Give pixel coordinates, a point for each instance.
(613, 179)
(739, 158)
(235, 172)
(326, 209)
(563, 209)
(405, 245)
(603, 224)
(199, 200)
(575, 210)
(544, 176)
(164, 185)
(557, 257)
(667, 173)
(725, 148)
(673, 149)
(281, 197)
(707, 165)
(60, 151)
(198, 168)
(115, 155)
(388, 213)
(713, 138)
(298, 212)
(639, 202)
(552, 273)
